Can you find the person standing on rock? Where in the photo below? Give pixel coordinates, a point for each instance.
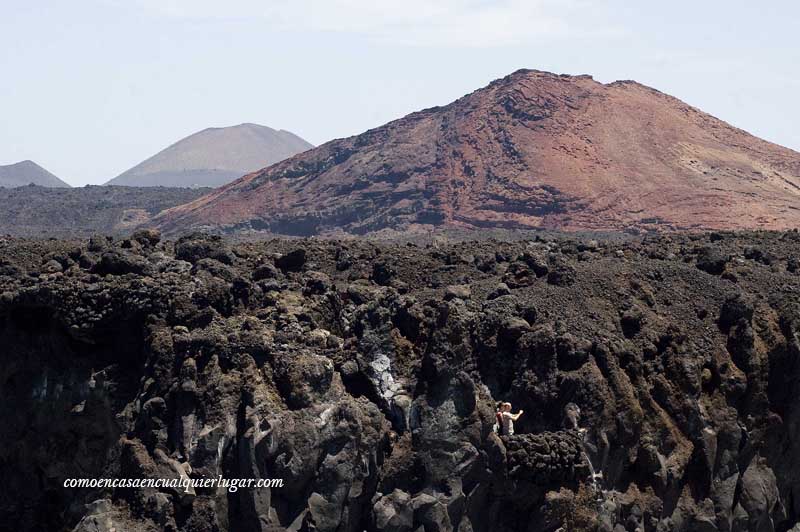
(498, 419)
(508, 419)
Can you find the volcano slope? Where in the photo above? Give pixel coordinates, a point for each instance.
(531, 150)
(364, 376)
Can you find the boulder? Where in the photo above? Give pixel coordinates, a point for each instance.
(292, 261)
(712, 260)
(196, 246)
(119, 262)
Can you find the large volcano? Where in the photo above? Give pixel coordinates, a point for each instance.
(531, 150)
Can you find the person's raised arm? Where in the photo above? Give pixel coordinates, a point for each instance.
(516, 416)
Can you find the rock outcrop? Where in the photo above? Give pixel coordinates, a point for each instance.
(659, 393)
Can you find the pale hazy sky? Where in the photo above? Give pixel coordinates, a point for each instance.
(91, 87)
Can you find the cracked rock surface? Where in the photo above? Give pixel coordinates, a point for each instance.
(659, 377)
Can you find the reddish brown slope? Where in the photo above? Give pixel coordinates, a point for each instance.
(531, 150)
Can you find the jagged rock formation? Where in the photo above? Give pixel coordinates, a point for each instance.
(213, 157)
(81, 212)
(28, 173)
(365, 376)
(532, 150)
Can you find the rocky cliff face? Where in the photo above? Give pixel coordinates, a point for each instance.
(365, 377)
(532, 150)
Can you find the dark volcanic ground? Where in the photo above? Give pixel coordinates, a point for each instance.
(35, 211)
(364, 375)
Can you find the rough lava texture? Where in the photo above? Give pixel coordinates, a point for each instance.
(531, 150)
(659, 379)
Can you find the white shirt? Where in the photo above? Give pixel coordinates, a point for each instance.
(508, 424)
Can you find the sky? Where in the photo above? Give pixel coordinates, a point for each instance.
(90, 88)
